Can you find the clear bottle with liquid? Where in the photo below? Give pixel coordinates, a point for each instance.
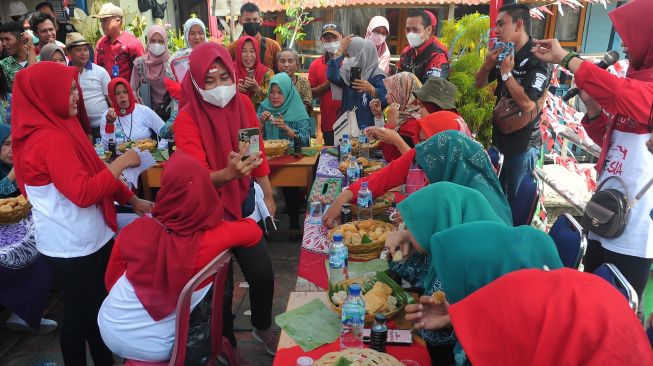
(364, 202)
(353, 171)
(352, 319)
(363, 146)
(338, 260)
(345, 147)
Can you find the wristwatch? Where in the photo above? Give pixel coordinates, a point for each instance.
(506, 76)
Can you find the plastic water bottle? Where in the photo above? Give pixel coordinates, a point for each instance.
(364, 203)
(345, 147)
(353, 172)
(338, 260)
(363, 148)
(353, 319)
(379, 333)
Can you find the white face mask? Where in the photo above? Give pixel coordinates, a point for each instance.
(414, 39)
(332, 47)
(157, 49)
(219, 96)
(377, 38)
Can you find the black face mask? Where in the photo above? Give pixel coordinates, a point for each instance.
(251, 28)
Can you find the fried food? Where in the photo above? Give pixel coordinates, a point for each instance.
(438, 297)
(375, 299)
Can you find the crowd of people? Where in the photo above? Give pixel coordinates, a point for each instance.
(61, 95)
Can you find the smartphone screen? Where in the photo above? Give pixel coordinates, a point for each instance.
(355, 73)
(250, 74)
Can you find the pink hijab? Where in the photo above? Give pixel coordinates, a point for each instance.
(382, 49)
(155, 66)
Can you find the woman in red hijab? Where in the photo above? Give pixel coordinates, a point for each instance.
(211, 114)
(72, 193)
(619, 117)
(154, 258)
(253, 77)
(537, 317)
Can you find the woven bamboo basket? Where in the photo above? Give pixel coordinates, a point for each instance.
(364, 357)
(275, 147)
(379, 205)
(376, 165)
(19, 211)
(374, 146)
(367, 251)
(369, 318)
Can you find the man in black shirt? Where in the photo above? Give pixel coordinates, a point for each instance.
(523, 78)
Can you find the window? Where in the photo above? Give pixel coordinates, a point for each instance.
(566, 29)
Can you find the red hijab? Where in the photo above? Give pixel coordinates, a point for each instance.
(40, 114)
(630, 21)
(161, 251)
(437, 122)
(559, 317)
(241, 70)
(218, 126)
(114, 101)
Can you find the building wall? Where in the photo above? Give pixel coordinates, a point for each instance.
(596, 35)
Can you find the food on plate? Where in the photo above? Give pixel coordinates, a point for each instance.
(13, 203)
(142, 145)
(438, 297)
(362, 232)
(369, 166)
(375, 299)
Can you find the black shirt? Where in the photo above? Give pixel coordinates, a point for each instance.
(64, 29)
(534, 75)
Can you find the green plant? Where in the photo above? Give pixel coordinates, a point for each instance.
(293, 30)
(467, 39)
(90, 27)
(176, 40)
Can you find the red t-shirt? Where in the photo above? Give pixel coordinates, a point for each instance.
(328, 107)
(391, 176)
(122, 51)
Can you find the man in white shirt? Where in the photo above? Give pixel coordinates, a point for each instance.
(93, 79)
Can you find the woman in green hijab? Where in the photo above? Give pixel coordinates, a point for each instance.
(430, 210)
(282, 114)
(466, 257)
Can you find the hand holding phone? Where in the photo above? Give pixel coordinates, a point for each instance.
(354, 74)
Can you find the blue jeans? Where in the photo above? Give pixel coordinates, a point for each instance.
(515, 167)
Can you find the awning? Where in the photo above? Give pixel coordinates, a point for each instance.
(274, 5)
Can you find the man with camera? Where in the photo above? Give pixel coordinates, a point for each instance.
(522, 84)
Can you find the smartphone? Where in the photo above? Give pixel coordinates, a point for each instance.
(251, 136)
(250, 74)
(397, 337)
(354, 73)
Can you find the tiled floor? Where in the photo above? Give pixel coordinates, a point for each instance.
(18, 349)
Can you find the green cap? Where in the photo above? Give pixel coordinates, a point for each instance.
(438, 91)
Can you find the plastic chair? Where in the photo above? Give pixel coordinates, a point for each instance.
(523, 206)
(569, 238)
(611, 273)
(218, 269)
(496, 158)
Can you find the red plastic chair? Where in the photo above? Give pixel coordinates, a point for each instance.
(218, 269)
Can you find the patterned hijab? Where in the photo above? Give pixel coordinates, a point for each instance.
(401, 86)
(453, 157)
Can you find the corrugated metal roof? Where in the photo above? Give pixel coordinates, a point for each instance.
(274, 5)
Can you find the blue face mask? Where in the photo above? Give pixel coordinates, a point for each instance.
(509, 49)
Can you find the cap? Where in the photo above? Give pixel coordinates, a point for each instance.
(332, 28)
(438, 91)
(355, 289)
(337, 236)
(74, 39)
(109, 10)
(17, 8)
(305, 361)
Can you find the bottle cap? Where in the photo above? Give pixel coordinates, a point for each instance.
(354, 289)
(345, 136)
(304, 361)
(110, 128)
(379, 317)
(337, 237)
(352, 158)
(364, 185)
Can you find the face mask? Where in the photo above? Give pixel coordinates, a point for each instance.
(219, 96)
(332, 47)
(414, 39)
(157, 49)
(251, 28)
(377, 38)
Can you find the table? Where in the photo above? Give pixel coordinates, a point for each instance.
(288, 349)
(150, 179)
(293, 174)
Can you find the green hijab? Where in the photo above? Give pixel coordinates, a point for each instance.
(451, 156)
(292, 108)
(469, 256)
(439, 206)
